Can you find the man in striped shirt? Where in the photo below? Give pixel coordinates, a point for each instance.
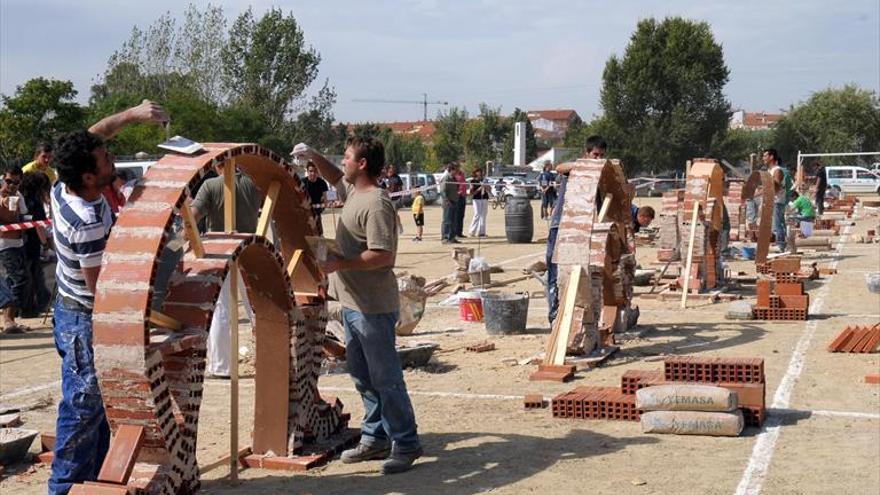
(82, 222)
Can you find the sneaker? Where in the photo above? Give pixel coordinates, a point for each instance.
(364, 452)
(400, 462)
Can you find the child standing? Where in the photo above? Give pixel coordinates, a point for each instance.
(418, 211)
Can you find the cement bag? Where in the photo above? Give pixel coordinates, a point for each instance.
(685, 398)
(412, 303)
(715, 424)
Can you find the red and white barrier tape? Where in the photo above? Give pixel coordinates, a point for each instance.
(9, 227)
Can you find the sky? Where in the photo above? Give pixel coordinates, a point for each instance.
(506, 53)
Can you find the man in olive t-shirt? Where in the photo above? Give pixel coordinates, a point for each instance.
(209, 203)
(364, 283)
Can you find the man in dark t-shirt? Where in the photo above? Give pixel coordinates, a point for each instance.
(821, 186)
(316, 188)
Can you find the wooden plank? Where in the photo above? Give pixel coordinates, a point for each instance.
(567, 317)
(192, 229)
(294, 262)
(233, 355)
(690, 256)
(268, 208)
(229, 196)
(164, 321)
(223, 461)
(121, 456)
(606, 203)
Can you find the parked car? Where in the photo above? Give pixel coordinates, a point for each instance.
(849, 179)
(431, 194)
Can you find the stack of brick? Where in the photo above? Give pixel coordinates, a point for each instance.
(782, 297)
(735, 209)
(827, 224)
(843, 205)
(704, 190)
(744, 376)
(668, 223)
(858, 339)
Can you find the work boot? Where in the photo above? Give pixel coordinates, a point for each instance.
(400, 462)
(365, 452)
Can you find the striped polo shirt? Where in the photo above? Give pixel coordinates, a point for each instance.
(80, 229)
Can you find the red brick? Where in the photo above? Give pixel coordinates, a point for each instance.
(121, 456)
(763, 289)
(789, 288)
(872, 378)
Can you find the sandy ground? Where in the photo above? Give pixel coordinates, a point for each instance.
(479, 439)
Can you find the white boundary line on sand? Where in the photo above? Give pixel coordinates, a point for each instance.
(759, 462)
(30, 390)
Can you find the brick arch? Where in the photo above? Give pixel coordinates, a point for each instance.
(151, 374)
(765, 181)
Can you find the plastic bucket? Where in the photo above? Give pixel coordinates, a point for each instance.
(505, 312)
(470, 306)
(749, 252)
(479, 278)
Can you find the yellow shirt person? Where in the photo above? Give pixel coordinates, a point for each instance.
(418, 204)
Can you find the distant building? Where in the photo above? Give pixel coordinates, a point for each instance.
(754, 121)
(550, 125)
(422, 129)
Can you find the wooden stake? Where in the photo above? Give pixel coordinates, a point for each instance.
(690, 256)
(164, 321)
(566, 319)
(229, 196)
(192, 229)
(268, 208)
(233, 370)
(294, 262)
(604, 210)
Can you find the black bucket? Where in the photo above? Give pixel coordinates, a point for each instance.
(505, 312)
(518, 222)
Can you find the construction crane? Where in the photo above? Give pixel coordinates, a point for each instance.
(424, 102)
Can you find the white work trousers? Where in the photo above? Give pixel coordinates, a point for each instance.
(219, 338)
(478, 224)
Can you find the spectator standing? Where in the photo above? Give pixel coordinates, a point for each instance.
(449, 195)
(782, 192)
(595, 148)
(480, 200)
(13, 210)
(393, 184)
(317, 188)
(82, 222)
(548, 190)
(821, 186)
(35, 188)
(209, 204)
(363, 282)
(461, 202)
(418, 211)
(42, 162)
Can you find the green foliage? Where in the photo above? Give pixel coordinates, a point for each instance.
(449, 127)
(401, 149)
(482, 137)
(267, 65)
(39, 111)
(663, 99)
(832, 120)
(736, 145)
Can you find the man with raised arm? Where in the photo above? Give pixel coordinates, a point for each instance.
(364, 283)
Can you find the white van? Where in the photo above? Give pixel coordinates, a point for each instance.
(419, 180)
(849, 179)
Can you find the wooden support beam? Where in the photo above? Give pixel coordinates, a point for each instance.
(192, 229)
(268, 208)
(229, 196)
(690, 255)
(164, 321)
(294, 262)
(557, 348)
(606, 203)
(233, 365)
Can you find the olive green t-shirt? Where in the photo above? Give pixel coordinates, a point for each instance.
(209, 201)
(368, 221)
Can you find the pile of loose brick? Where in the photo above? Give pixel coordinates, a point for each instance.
(744, 376)
(843, 205)
(857, 339)
(781, 297)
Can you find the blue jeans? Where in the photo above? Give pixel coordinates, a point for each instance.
(82, 433)
(552, 271)
(375, 369)
(450, 212)
(779, 224)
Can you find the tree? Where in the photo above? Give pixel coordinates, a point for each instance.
(832, 120)
(663, 102)
(40, 110)
(315, 125)
(448, 127)
(481, 136)
(400, 149)
(531, 143)
(267, 65)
